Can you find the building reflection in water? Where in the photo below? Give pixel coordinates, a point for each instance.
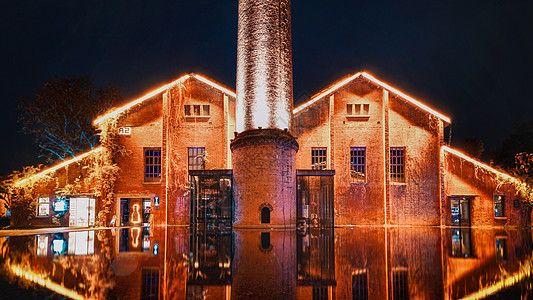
(341, 263)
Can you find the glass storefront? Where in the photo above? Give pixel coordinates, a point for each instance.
(211, 197)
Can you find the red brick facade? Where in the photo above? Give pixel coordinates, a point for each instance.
(360, 112)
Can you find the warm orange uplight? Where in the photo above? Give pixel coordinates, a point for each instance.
(61, 165)
(348, 79)
(42, 280)
(136, 214)
(162, 89)
(477, 163)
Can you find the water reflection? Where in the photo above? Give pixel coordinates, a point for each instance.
(341, 263)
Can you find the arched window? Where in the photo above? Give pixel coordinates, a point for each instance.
(265, 215)
(265, 240)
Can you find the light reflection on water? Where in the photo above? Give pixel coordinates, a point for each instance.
(340, 263)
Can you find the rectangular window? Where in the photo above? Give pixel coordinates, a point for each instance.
(196, 157)
(196, 110)
(318, 158)
(358, 164)
(150, 284)
(43, 207)
(498, 205)
(152, 164)
(501, 249)
(400, 286)
(360, 285)
(397, 164)
(355, 110)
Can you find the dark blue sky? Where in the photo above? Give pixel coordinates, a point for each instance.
(471, 60)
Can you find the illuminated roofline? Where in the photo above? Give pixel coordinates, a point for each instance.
(60, 165)
(477, 163)
(345, 81)
(500, 285)
(161, 89)
(44, 281)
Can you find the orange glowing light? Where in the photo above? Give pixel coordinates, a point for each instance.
(160, 90)
(135, 234)
(497, 286)
(345, 81)
(56, 167)
(477, 163)
(136, 214)
(43, 281)
(215, 85)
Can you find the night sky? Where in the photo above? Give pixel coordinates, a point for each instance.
(471, 60)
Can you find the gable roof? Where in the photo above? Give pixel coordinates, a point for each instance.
(477, 163)
(60, 165)
(339, 84)
(117, 111)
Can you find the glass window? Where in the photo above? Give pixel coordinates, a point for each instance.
(358, 164)
(397, 164)
(360, 285)
(498, 205)
(150, 284)
(318, 158)
(196, 110)
(358, 110)
(152, 164)
(400, 286)
(196, 158)
(501, 250)
(43, 207)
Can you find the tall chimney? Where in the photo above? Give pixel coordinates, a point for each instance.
(264, 150)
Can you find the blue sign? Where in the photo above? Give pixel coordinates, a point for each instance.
(59, 245)
(60, 206)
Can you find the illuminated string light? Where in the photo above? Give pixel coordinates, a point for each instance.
(497, 286)
(162, 89)
(477, 163)
(345, 81)
(43, 281)
(61, 165)
(215, 85)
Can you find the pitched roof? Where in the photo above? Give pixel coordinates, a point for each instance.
(477, 163)
(339, 84)
(60, 165)
(117, 111)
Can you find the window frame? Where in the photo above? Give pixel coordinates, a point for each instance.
(319, 158)
(151, 175)
(41, 202)
(356, 165)
(358, 109)
(501, 202)
(197, 110)
(192, 157)
(397, 169)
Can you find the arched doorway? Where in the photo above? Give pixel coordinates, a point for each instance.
(265, 215)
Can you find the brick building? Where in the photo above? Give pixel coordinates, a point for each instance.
(368, 155)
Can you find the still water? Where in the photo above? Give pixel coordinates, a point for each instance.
(340, 263)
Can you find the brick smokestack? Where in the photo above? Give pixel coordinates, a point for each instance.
(264, 150)
(264, 65)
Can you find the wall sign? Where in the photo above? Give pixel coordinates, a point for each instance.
(124, 130)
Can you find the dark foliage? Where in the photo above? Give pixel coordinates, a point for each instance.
(61, 113)
(515, 148)
(473, 147)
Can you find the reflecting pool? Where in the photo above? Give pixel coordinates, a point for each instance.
(309, 263)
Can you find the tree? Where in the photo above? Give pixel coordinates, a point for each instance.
(61, 113)
(473, 147)
(520, 141)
